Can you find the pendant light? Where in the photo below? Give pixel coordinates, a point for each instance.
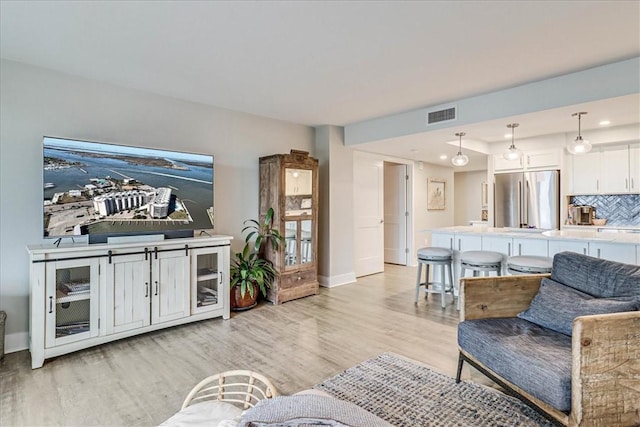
(460, 159)
(579, 145)
(512, 153)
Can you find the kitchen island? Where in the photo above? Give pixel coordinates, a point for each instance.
(621, 247)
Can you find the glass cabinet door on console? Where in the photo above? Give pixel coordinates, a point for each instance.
(206, 279)
(72, 301)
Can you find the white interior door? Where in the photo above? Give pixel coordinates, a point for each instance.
(368, 178)
(395, 214)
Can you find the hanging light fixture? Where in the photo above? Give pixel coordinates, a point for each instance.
(460, 159)
(512, 153)
(579, 145)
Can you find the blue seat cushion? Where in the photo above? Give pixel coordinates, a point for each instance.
(597, 277)
(536, 359)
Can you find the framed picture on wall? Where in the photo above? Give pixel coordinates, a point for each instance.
(435, 194)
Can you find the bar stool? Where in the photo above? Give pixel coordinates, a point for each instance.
(529, 264)
(442, 257)
(480, 261)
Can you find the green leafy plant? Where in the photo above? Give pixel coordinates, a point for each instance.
(264, 233)
(250, 267)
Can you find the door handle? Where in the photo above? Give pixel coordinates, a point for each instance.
(381, 221)
(146, 289)
(598, 253)
(459, 244)
(520, 204)
(519, 249)
(156, 288)
(509, 249)
(526, 204)
(50, 305)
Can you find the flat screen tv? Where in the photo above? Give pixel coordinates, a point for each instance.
(103, 190)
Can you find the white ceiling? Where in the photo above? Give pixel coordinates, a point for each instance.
(315, 62)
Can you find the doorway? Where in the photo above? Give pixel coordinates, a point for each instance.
(396, 213)
(381, 196)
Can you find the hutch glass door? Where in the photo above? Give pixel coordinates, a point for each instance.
(298, 217)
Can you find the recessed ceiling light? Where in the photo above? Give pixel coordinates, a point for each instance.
(605, 122)
(507, 135)
(443, 157)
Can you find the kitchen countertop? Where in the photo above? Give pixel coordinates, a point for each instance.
(590, 234)
(604, 227)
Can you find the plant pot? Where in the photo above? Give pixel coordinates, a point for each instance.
(240, 302)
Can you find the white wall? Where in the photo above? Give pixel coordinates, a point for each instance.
(335, 232)
(424, 219)
(36, 102)
(468, 196)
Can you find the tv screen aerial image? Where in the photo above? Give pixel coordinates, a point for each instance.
(101, 188)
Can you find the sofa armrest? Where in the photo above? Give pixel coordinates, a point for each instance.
(605, 377)
(502, 296)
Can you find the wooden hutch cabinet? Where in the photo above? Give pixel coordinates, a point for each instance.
(289, 185)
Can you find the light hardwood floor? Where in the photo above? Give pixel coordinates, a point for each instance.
(143, 380)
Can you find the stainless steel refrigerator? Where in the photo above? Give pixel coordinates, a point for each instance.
(527, 200)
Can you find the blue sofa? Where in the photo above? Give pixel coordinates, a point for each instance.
(567, 343)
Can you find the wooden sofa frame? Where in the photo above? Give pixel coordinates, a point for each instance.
(605, 351)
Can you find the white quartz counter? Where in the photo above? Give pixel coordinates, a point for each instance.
(589, 234)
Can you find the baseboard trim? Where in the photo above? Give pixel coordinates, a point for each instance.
(339, 280)
(16, 342)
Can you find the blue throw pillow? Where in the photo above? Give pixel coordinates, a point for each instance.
(556, 305)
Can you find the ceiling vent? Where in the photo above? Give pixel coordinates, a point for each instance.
(446, 115)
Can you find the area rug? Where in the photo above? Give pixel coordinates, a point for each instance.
(407, 393)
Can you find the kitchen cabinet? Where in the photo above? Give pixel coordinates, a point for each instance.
(289, 185)
(501, 164)
(585, 170)
(620, 252)
(557, 246)
(499, 244)
(549, 159)
(82, 296)
(535, 247)
(442, 240)
(607, 170)
(534, 160)
(614, 170)
(465, 242)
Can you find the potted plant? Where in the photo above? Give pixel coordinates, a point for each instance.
(251, 272)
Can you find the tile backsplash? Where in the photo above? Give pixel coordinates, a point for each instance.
(618, 209)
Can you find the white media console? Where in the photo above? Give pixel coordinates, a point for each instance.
(85, 295)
